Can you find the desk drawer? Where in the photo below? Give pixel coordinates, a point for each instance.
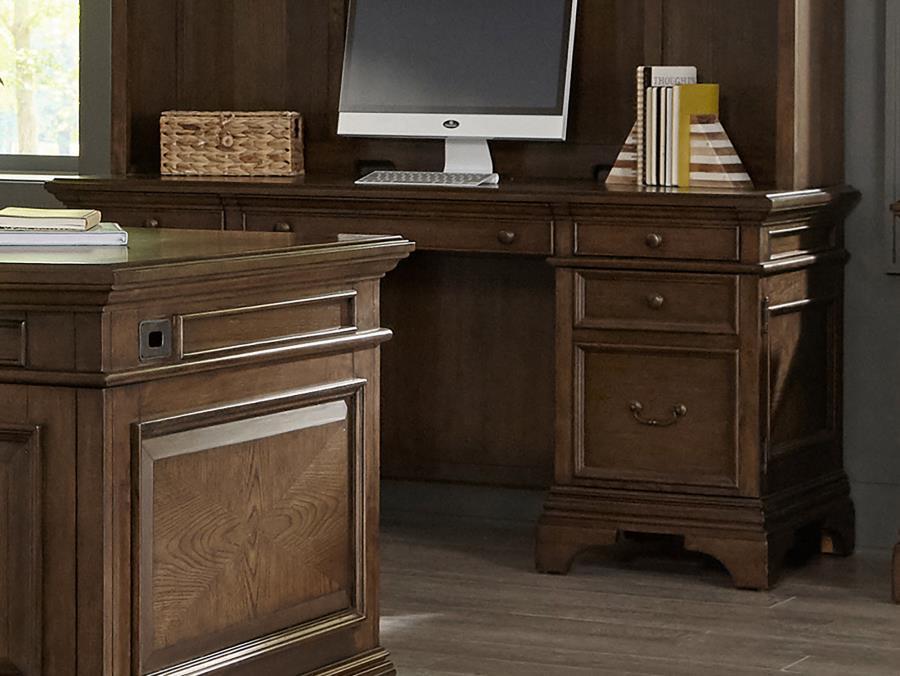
(657, 415)
(657, 302)
(429, 233)
(149, 217)
(657, 241)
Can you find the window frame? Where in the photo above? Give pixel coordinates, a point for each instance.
(94, 74)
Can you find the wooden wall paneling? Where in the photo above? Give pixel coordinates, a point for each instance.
(152, 78)
(472, 367)
(120, 124)
(20, 557)
(718, 36)
(206, 54)
(819, 93)
(260, 54)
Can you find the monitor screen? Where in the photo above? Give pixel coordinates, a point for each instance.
(497, 57)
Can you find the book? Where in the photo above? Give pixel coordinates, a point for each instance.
(690, 101)
(104, 234)
(655, 76)
(21, 218)
(670, 137)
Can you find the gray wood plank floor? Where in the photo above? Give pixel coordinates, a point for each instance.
(461, 597)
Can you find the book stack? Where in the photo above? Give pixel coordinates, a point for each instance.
(58, 227)
(678, 140)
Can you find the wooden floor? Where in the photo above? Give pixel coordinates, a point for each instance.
(460, 597)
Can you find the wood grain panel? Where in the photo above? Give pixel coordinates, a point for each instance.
(250, 524)
(284, 322)
(657, 302)
(20, 554)
(698, 449)
(260, 54)
(12, 341)
(205, 44)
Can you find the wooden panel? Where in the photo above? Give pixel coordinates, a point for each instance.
(12, 341)
(795, 239)
(802, 387)
(723, 38)
(693, 449)
(285, 322)
(444, 233)
(260, 74)
(467, 390)
(657, 302)
(656, 240)
(20, 555)
(155, 217)
(250, 524)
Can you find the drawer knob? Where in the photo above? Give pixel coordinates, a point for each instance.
(654, 240)
(283, 227)
(637, 410)
(656, 301)
(151, 223)
(506, 237)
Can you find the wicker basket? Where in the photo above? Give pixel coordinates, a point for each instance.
(228, 143)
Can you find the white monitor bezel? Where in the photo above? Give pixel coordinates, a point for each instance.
(455, 125)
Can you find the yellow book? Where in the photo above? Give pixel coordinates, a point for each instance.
(690, 100)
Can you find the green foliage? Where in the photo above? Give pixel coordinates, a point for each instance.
(39, 68)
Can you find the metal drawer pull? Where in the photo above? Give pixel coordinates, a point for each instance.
(282, 227)
(637, 408)
(656, 301)
(151, 223)
(654, 240)
(506, 237)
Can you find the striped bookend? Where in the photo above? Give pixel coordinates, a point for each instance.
(714, 161)
(624, 171)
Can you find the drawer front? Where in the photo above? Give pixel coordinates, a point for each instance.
(721, 243)
(658, 415)
(12, 341)
(194, 219)
(429, 232)
(657, 302)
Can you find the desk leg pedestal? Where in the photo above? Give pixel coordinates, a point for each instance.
(749, 537)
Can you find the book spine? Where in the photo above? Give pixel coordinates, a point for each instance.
(676, 135)
(640, 126)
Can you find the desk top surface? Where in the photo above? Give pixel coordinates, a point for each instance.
(152, 248)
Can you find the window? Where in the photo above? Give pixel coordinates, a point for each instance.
(54, 100)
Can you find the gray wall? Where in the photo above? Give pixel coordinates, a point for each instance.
(872, 329)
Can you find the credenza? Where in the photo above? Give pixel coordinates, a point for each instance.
(189, 455)
(676, 354)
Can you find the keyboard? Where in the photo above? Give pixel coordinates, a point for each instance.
(426, 178)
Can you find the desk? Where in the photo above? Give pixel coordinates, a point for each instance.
(676, 368)
(189, 455)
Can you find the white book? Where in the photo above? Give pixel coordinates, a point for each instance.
(653, 145)
(676, 135)
(670, 137)
(22, 218)
(105, 234)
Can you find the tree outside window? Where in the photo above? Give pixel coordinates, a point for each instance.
(39, 70)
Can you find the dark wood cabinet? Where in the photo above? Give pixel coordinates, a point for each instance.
(697, 358)
(189, 456)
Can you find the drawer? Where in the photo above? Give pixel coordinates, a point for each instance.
(656, 302)
(719, 243)
(429, 232)
(657, 414)
(149, 217)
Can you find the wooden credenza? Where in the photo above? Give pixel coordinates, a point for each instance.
(688, 381)
(189, 455)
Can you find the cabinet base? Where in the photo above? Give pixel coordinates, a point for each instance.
(749, 536)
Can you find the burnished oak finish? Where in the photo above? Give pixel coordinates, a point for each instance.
(210, 510)
(697, 349)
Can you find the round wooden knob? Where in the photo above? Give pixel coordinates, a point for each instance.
(283, 227)
(656, 301)
(654, 240)
(506, 237)
(151, 223)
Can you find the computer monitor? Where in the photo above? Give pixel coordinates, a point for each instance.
(461, 70)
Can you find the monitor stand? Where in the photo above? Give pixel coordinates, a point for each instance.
(469, 156)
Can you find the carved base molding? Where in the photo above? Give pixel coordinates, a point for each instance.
(373, 663)
(749, 536)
